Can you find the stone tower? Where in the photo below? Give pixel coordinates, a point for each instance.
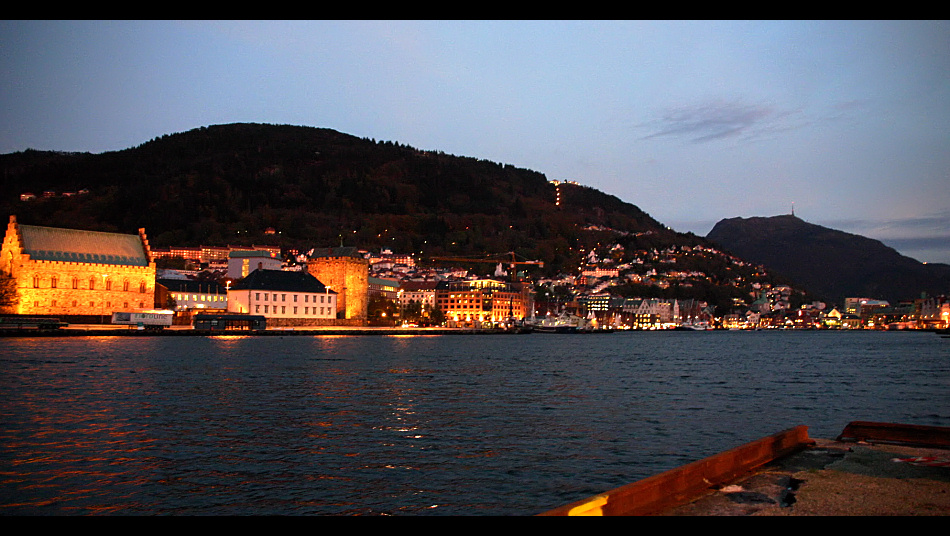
(345, 272)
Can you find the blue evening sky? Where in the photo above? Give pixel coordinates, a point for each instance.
(849, 121)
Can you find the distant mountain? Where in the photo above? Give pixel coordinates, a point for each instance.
(828, 263)
(303, 187)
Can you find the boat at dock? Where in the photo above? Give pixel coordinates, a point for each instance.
(566, 323)
(693, 326)
(563, 323)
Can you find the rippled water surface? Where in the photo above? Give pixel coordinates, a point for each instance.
(423, 425)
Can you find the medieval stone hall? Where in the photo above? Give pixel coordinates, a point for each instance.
(72, 272)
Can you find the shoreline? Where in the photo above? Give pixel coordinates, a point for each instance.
(99, 330)
(188, 331)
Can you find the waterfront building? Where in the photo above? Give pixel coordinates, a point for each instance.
(832, 320)
(598, 303)
(483, 300)
(284, 298)
(422, 292)
(345, 271)
(863, 307)
(190, 294)
(650, 313)
(70, 272)
(850, 321)
(934, 312)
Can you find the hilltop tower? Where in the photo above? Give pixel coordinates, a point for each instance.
(346, 272)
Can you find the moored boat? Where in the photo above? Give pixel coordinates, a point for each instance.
(563, 323)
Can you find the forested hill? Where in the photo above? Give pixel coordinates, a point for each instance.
(828, 263)
(314, 187)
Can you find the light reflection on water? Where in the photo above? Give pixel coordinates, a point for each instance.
(504, 425)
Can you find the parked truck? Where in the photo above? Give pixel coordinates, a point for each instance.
(151, 320)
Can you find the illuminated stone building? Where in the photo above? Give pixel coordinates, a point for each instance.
(344, 271)
(482, 300)
(68, 272)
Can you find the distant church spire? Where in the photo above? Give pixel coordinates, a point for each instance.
(793, 208)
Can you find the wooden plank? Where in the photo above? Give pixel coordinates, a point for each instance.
(679, 486)
(904, 434)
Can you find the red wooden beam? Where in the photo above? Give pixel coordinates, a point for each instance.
(681, 485)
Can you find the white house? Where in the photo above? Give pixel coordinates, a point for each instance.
(278, 294)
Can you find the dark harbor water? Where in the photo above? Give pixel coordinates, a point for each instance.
(421, 425)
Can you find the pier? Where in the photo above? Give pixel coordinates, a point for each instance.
(870, 469)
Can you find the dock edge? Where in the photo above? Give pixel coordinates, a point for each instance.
(683, 484)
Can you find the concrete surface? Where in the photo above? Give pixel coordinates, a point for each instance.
(836, 479)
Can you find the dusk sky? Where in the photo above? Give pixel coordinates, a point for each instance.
(693, 122)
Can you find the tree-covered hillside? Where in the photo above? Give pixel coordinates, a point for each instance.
(301, 187)
(830, 264)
